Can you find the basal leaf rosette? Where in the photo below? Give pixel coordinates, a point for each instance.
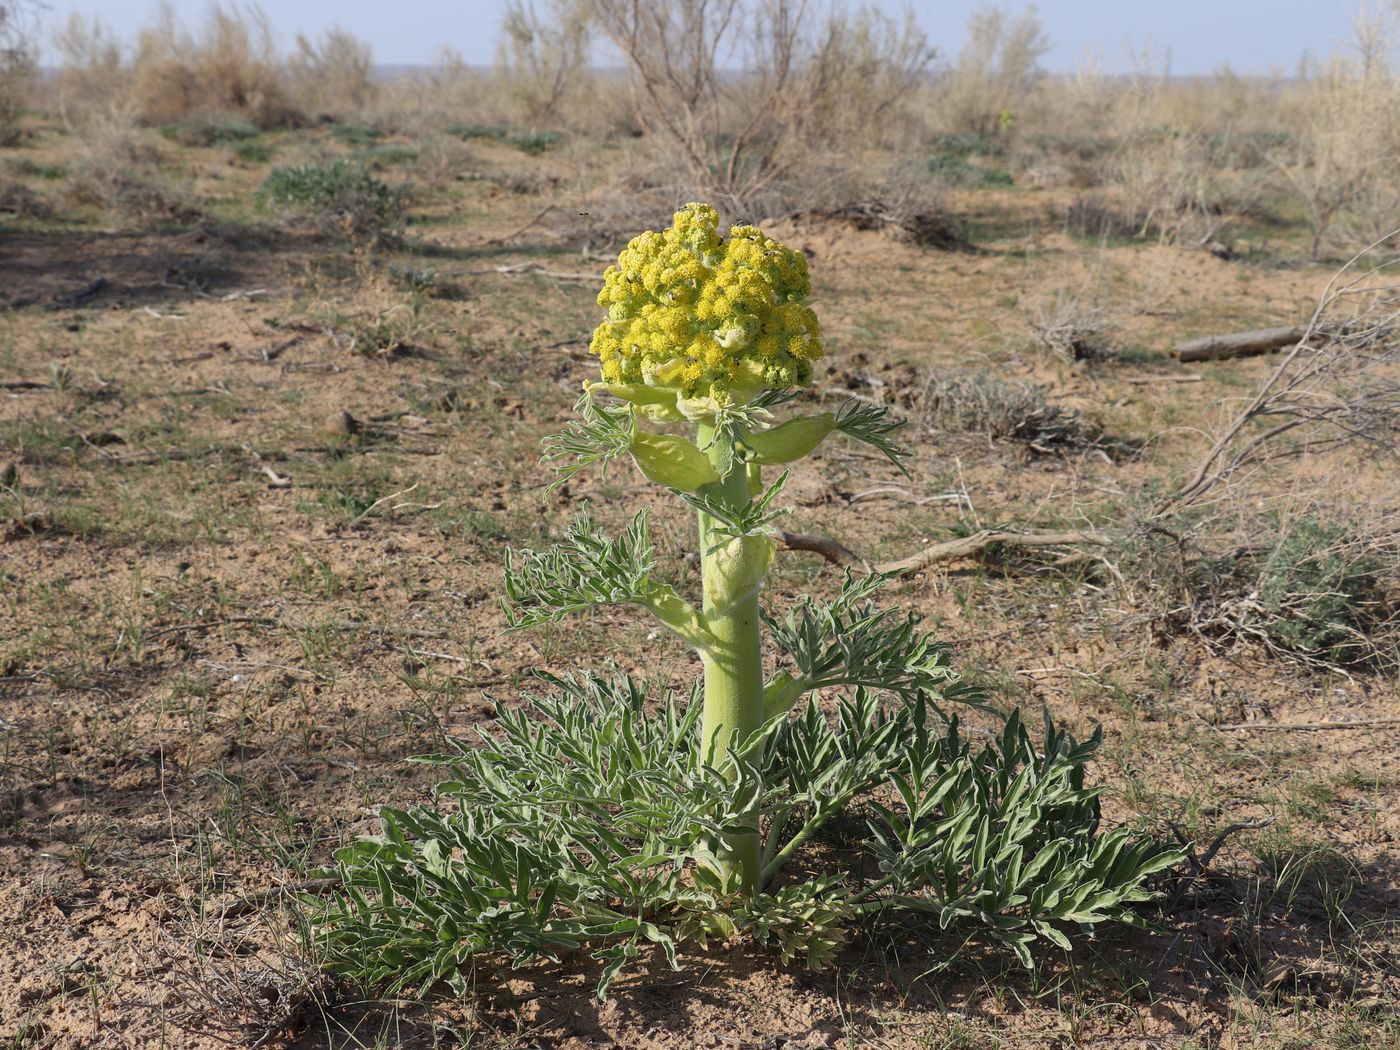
(698, 323)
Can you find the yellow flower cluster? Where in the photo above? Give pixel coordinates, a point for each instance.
(705, 316)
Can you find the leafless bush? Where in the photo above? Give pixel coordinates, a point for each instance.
(17, 25)
(231, 65)
(541, 55)
(735, 136)
(857, 73)
(1345, 152)
(1339, 385)
(93, 75)
(333, 76)
(995, 71)
(1070, 322)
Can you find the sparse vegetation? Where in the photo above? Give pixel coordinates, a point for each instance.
(261, 461)
(339, 196)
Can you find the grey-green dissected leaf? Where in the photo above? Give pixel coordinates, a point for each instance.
(577, 823)
(873, 425)
(848, 642)
(597, 438)
(585, 570)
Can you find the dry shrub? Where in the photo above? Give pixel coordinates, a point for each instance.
(860, 71)
(230, 65)
(1338, 387)
(447, 93)
(1346, 148)
(16, 66)
(995, 72)
(1161, 174)
(18, 199)
(1178, 160)
(1071, 323)
(333, 76)
(117, 170)
(541, 57)
(1094, 215)
(93, 75)
(1301, 581)
(1306, 575)
(746, 140)
(1002, 410)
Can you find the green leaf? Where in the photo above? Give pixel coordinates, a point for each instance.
(597, 439)
(873, 425)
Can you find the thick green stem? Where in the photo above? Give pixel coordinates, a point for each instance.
(733, 665)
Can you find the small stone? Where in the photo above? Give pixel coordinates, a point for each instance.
(342, 424)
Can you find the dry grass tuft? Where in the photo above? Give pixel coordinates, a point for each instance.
(118, 171)
(1008, 411)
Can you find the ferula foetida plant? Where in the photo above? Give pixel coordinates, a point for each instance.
(601, 817)
(715, 332)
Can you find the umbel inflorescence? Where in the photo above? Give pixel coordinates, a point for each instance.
(714, 318)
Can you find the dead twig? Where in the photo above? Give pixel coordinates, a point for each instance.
(516, 233)
(520, 269)
(1200, 863)
(971, 546)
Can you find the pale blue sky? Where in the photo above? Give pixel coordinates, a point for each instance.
(1253, 36)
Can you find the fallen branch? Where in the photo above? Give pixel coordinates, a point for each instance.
(828, 548)
(1238, 344)
(1154, 380)
(971, 546)
(1202, 862)
(1311, 727)
(519, 269)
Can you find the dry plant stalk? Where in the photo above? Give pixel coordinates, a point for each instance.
(333, 76)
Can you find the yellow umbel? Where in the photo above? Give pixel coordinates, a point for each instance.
(708, 317)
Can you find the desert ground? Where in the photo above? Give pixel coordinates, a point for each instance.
(262, 465)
